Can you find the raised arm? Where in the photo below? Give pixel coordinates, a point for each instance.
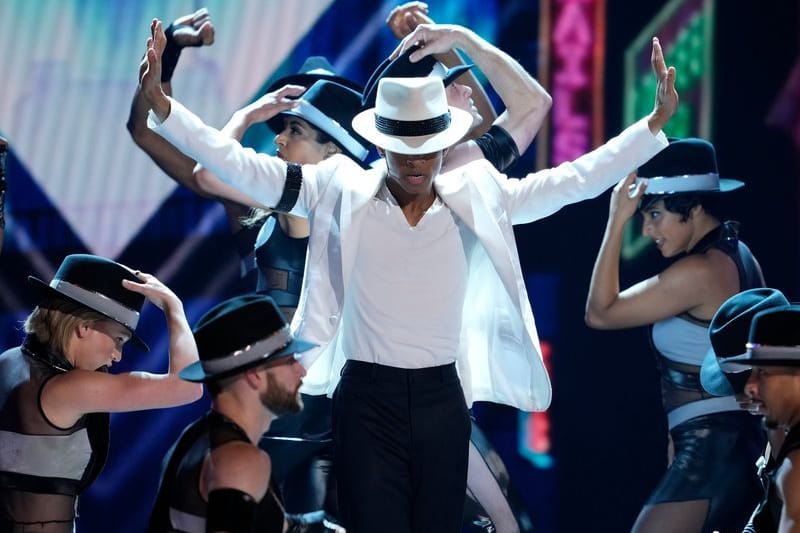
(404, 19)
(527, 103)
(542, 193)
(67, 397)
(685, 285)
(259, 176)
(261, 110)
(195, 29)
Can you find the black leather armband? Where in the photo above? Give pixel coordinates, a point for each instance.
(498, 148)
(230, 510)
(291, 189)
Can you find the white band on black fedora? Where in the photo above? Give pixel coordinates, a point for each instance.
(124, 315)
(250, 353)
(684, 183)
(334, 129)
(759, 351)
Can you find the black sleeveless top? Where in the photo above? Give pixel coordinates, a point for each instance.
(680, 382)
(43, 468)
(275, 267)
(179, 506)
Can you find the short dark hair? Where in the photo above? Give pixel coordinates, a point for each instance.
(682, 204)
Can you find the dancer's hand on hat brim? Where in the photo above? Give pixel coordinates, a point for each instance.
(625, 198)
(152, 289)
(432, 39)
(273, 103)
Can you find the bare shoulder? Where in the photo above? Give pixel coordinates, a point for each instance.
(713, 268)
(788, 480)
(241, 466)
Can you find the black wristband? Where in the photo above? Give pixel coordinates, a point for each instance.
(498, 148)
(291, 188)
(172, 51)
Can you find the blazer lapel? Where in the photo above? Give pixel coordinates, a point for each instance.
(474, 202)
(353, 200)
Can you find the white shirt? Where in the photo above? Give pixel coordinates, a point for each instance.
(407, 290)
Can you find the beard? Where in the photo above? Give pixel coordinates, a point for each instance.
(280, 400)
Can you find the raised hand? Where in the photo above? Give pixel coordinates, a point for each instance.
(150, 72)
(625, 198)
(666, 102)
(152, 289)
(273, 103)
(432, 39)
(195, 29)
(404, 18)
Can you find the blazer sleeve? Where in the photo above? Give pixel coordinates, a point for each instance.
(260, 176)
(542, 193)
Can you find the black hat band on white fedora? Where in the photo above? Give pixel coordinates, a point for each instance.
(124, 315)
(336, 130)
(412, 128)
(250, 353)
(685, 183)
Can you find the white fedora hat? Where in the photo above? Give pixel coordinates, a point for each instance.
(411, 116)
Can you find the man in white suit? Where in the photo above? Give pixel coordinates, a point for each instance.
(412, 280)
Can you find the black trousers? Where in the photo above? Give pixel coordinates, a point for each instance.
(401, 448)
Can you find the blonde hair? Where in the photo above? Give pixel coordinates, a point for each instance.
(53, 321)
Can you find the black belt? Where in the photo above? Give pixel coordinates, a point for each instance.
(432, 374)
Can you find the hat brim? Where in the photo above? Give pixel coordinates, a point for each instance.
(454, 72)
(725, 185)
(308, 79)
(712, 377)
(44, 290)
(746, 362)
(460, 124)
(325, 124)
(196, 373)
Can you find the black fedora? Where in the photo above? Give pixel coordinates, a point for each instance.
(241, 333)
(774, 340)
(96, 283)
(728, 332)
(685, 166)
(402, 67)
(314, 68)
(329, 106)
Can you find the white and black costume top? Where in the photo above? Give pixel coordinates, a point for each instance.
(43, 468)
(682, 341)
(179, 506)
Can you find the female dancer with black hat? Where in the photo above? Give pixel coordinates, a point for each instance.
(711, 483)
(56, 393)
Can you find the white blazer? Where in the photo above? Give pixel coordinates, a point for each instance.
(499, 357)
